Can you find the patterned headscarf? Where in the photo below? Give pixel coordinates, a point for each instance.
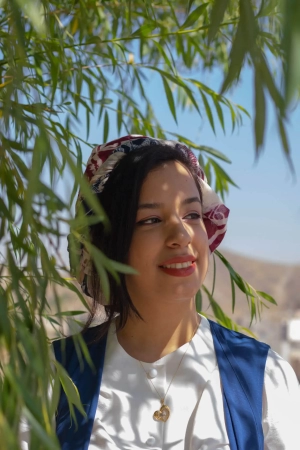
(103, 160)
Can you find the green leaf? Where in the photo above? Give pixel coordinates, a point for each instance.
(82, 349)
(137, 77)
(49, 443)
(170, 98)
(4, 211)
(267, 9)
(214, 276)
(191, 2)
(164, 55)
(194, 16)
(218, 311)
(233, 116)
(267, 297)
(237, 55)
(87, 117)
(269, 83)
(235, 276)
(216, 17)
(55, 395)
(232, 294)
(221, 172)
(208, 111)
(284, 141)
(248, 26)
(70, 388)
(100, 262)
(207, 171)
(40, 146)
(218, 100)
(5, 324)
(144, 30)
(260, 112)
(105, 127)
(291, 45)
(121, 268)
(85, 188)
(119, 116)
(244, 110)
(219, 112)
(201, 148)
(198, 301)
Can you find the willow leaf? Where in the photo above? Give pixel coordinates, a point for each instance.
(236, 57)
(119, 116)
(170, 98)
(194, 16)
(208, 111)
(144, 30)
(105, 127)
(219, 112)
(70, 389)
(267, 297)
(216, 17)
(260, 111)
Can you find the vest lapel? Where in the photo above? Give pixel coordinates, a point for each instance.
(241, 362)
(88, 381)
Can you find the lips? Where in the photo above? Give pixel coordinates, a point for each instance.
(178, 260)
(184, 272)
(179, 266)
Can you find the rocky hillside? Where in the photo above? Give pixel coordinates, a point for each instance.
(280, 281)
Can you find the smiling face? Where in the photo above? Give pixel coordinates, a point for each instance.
(169, 247)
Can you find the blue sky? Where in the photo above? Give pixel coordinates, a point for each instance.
(265, 210)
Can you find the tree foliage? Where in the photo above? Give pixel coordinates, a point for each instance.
(63, 62)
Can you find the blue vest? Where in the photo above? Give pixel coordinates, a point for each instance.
(241, 362)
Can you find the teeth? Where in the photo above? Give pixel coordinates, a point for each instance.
(179, 265)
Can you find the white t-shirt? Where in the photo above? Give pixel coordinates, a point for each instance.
(127, 401)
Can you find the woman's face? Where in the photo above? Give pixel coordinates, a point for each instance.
(169, 247)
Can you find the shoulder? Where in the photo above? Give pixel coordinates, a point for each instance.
(279, 374)
(281, 404)
(236, 341)
(65, 348)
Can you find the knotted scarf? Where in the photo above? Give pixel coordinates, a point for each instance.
(103, 160)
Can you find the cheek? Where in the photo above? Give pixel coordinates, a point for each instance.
(201, 238)
(203, 248)
(141, 252)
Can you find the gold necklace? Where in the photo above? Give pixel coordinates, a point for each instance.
(162, 414)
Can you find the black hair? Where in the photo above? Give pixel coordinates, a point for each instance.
(119, 199)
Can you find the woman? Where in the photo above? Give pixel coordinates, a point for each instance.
(165, 377)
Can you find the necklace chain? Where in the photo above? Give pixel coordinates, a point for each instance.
(162, 400)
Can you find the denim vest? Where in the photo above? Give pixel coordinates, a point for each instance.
(241, 361)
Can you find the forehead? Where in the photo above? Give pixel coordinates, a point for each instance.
(171, 177)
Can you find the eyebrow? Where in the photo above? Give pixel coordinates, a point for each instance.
(187, 201)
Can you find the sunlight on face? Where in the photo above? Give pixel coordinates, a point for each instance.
(169, 247)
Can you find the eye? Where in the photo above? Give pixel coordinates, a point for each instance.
(193, 216)
(149, 221)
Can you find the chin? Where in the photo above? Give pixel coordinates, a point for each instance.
(183, 293)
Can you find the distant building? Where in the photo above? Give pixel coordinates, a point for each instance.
(290, 344)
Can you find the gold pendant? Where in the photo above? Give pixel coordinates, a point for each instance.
(162, 414)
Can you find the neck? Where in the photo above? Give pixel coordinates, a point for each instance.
(161, 331)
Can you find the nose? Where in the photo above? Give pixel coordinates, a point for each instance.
(178, 234)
